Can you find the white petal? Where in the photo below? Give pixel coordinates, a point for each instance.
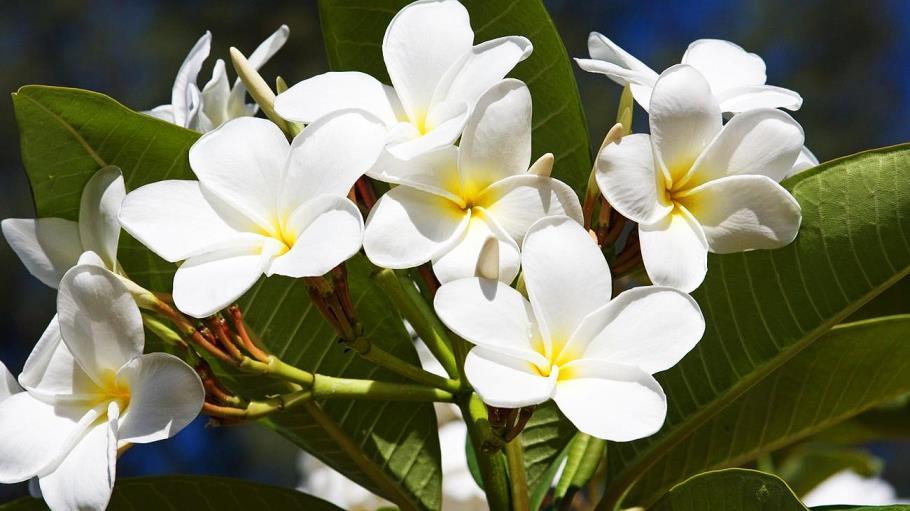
(185, 83)
(265, 51)
(163, 112)
(740, 213)
(435, 172)
(327, 231)
(46, 246)
(497, 137)
(330, 155)
(99, 227)
(650, 328)
(674, 251)
(488, 313)
(408, 227)
(684, 118)
(85, 478)
(460, 261)
(442, 127)
(610, 401)
(627, 177)
(609, 59)
(805, 161)
(764, 142)
(174, 220)
(505, 381)
(100, 323)
(51, 373)
(326, 93)
(642, 84)
(8, 385)
(516, 202)
(242, 163)
(207, 283)
(481, 67)
(742, 99)
(165, 396)
(725, 65)
(33, 435)
(215, 96)
(421, 42)
(566, 275)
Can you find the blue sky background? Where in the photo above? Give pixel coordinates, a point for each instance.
(849, 60)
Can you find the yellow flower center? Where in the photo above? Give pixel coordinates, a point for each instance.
(114, 389)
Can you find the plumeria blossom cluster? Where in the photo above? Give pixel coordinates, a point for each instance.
(508, 258)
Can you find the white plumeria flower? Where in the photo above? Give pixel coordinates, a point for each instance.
(218, 102)
(48, 247)
(695, 186)
(451, 200)
(436, 71)
(8, 385)
(848, 487)
(261, 206)
(594, 357)
(89, 390)
(737, 78)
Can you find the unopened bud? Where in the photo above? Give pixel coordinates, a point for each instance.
(488, 262)
(543, 166)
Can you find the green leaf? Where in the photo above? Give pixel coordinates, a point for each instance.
(544, 441)
(585, 454)
(353, 32)
(888, 422)
(764, 308)
(807, 466)
(852, 368)
(730, 490)
(67, 134)
(197, 493)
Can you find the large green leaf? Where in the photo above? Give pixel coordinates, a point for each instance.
(545, 437)
(730, 490)
(353, 31)
(68, 134)
(763, 308)
(196, 493)
(852, 368)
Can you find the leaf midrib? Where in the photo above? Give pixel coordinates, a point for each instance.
(630, 474)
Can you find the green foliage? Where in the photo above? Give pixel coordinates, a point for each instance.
(584, 456)
(353, 31)
(764, 311)
(730, 490)
(544, 440)
(68, 134)
(196, 493)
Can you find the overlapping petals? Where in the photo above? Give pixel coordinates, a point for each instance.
(568, 341)
(437, 75)
(88, 389)
(261, 206)
(450, 201)
(218, 101)
(48, 247)
(695, 186)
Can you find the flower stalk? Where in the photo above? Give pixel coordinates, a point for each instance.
(260, 92)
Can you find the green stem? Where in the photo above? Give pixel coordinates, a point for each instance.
(489, 461)
(380, 357)
(162, 331)
(329, 387)
(413, 307)
(257, 409)
(388, 488)
(518, 479)
(279, 369)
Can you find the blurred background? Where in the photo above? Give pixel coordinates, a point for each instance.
(850, 61)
